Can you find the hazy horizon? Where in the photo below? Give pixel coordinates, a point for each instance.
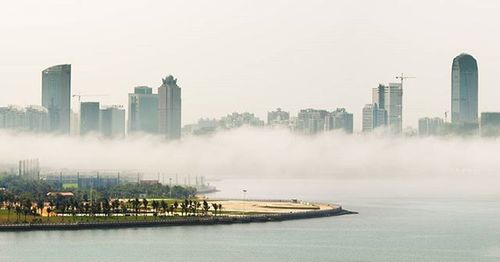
(362, 162)
(252, 56)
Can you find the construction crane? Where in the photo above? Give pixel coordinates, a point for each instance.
(80, 96)
(402, 77)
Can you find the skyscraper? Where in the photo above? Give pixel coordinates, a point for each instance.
(56, 96)
(390, 98)
(143, 110)
(464, 89)
(89, 117)
(169, 108)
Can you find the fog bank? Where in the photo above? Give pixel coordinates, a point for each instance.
(263, 153)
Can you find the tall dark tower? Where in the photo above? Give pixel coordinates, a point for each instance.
(464, 89)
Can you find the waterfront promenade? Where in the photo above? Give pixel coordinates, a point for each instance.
(283, 210)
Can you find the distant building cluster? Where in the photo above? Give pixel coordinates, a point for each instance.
(235, 120)
(308, 121)
(31, 118)
(160, 112)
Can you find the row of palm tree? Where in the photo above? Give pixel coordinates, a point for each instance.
(104, 207)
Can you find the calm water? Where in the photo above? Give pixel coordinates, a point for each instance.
(405, 228)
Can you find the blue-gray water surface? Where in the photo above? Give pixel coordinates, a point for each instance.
(446, 228)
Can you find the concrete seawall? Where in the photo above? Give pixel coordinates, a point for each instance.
(178, 221)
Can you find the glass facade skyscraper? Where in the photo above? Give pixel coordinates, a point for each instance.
(464, 90)
(56, 97)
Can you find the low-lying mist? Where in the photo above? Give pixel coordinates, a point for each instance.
(470, 164)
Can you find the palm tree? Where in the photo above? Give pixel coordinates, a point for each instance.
(123, 207)
(164, 206)
(135, 205)
(115, 204)
(145, 204)
(155, 206)
(215, 206)
(183, 208)
(106, 207)
(205, 207)
(175, 206)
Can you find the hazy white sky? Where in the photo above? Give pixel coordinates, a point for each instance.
(255, 55)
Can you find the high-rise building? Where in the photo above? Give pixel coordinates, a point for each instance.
(339, 119)
(89, 117)
(278, 117)
(169, 108)
(113, 121)
(32, 118)
(56, 97)
(490, 123)
(464, 90)
(311, 121)
(430, 126)
(143, 110)
(390, 98)
(373, 117)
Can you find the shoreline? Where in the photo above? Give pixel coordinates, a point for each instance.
(177, 221)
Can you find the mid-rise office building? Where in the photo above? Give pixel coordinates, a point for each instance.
(490, 123)
(464, 90)
(89, 117)
(56, 97)
(390, 98)
(113, 121)
(373, 117)
(169, 108)
(143, 110)
(339, 119)
(431, 126)
(278, 117)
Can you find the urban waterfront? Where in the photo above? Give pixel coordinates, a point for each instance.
(403, 228)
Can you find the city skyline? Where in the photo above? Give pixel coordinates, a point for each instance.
(331, 53)
(163, 109)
